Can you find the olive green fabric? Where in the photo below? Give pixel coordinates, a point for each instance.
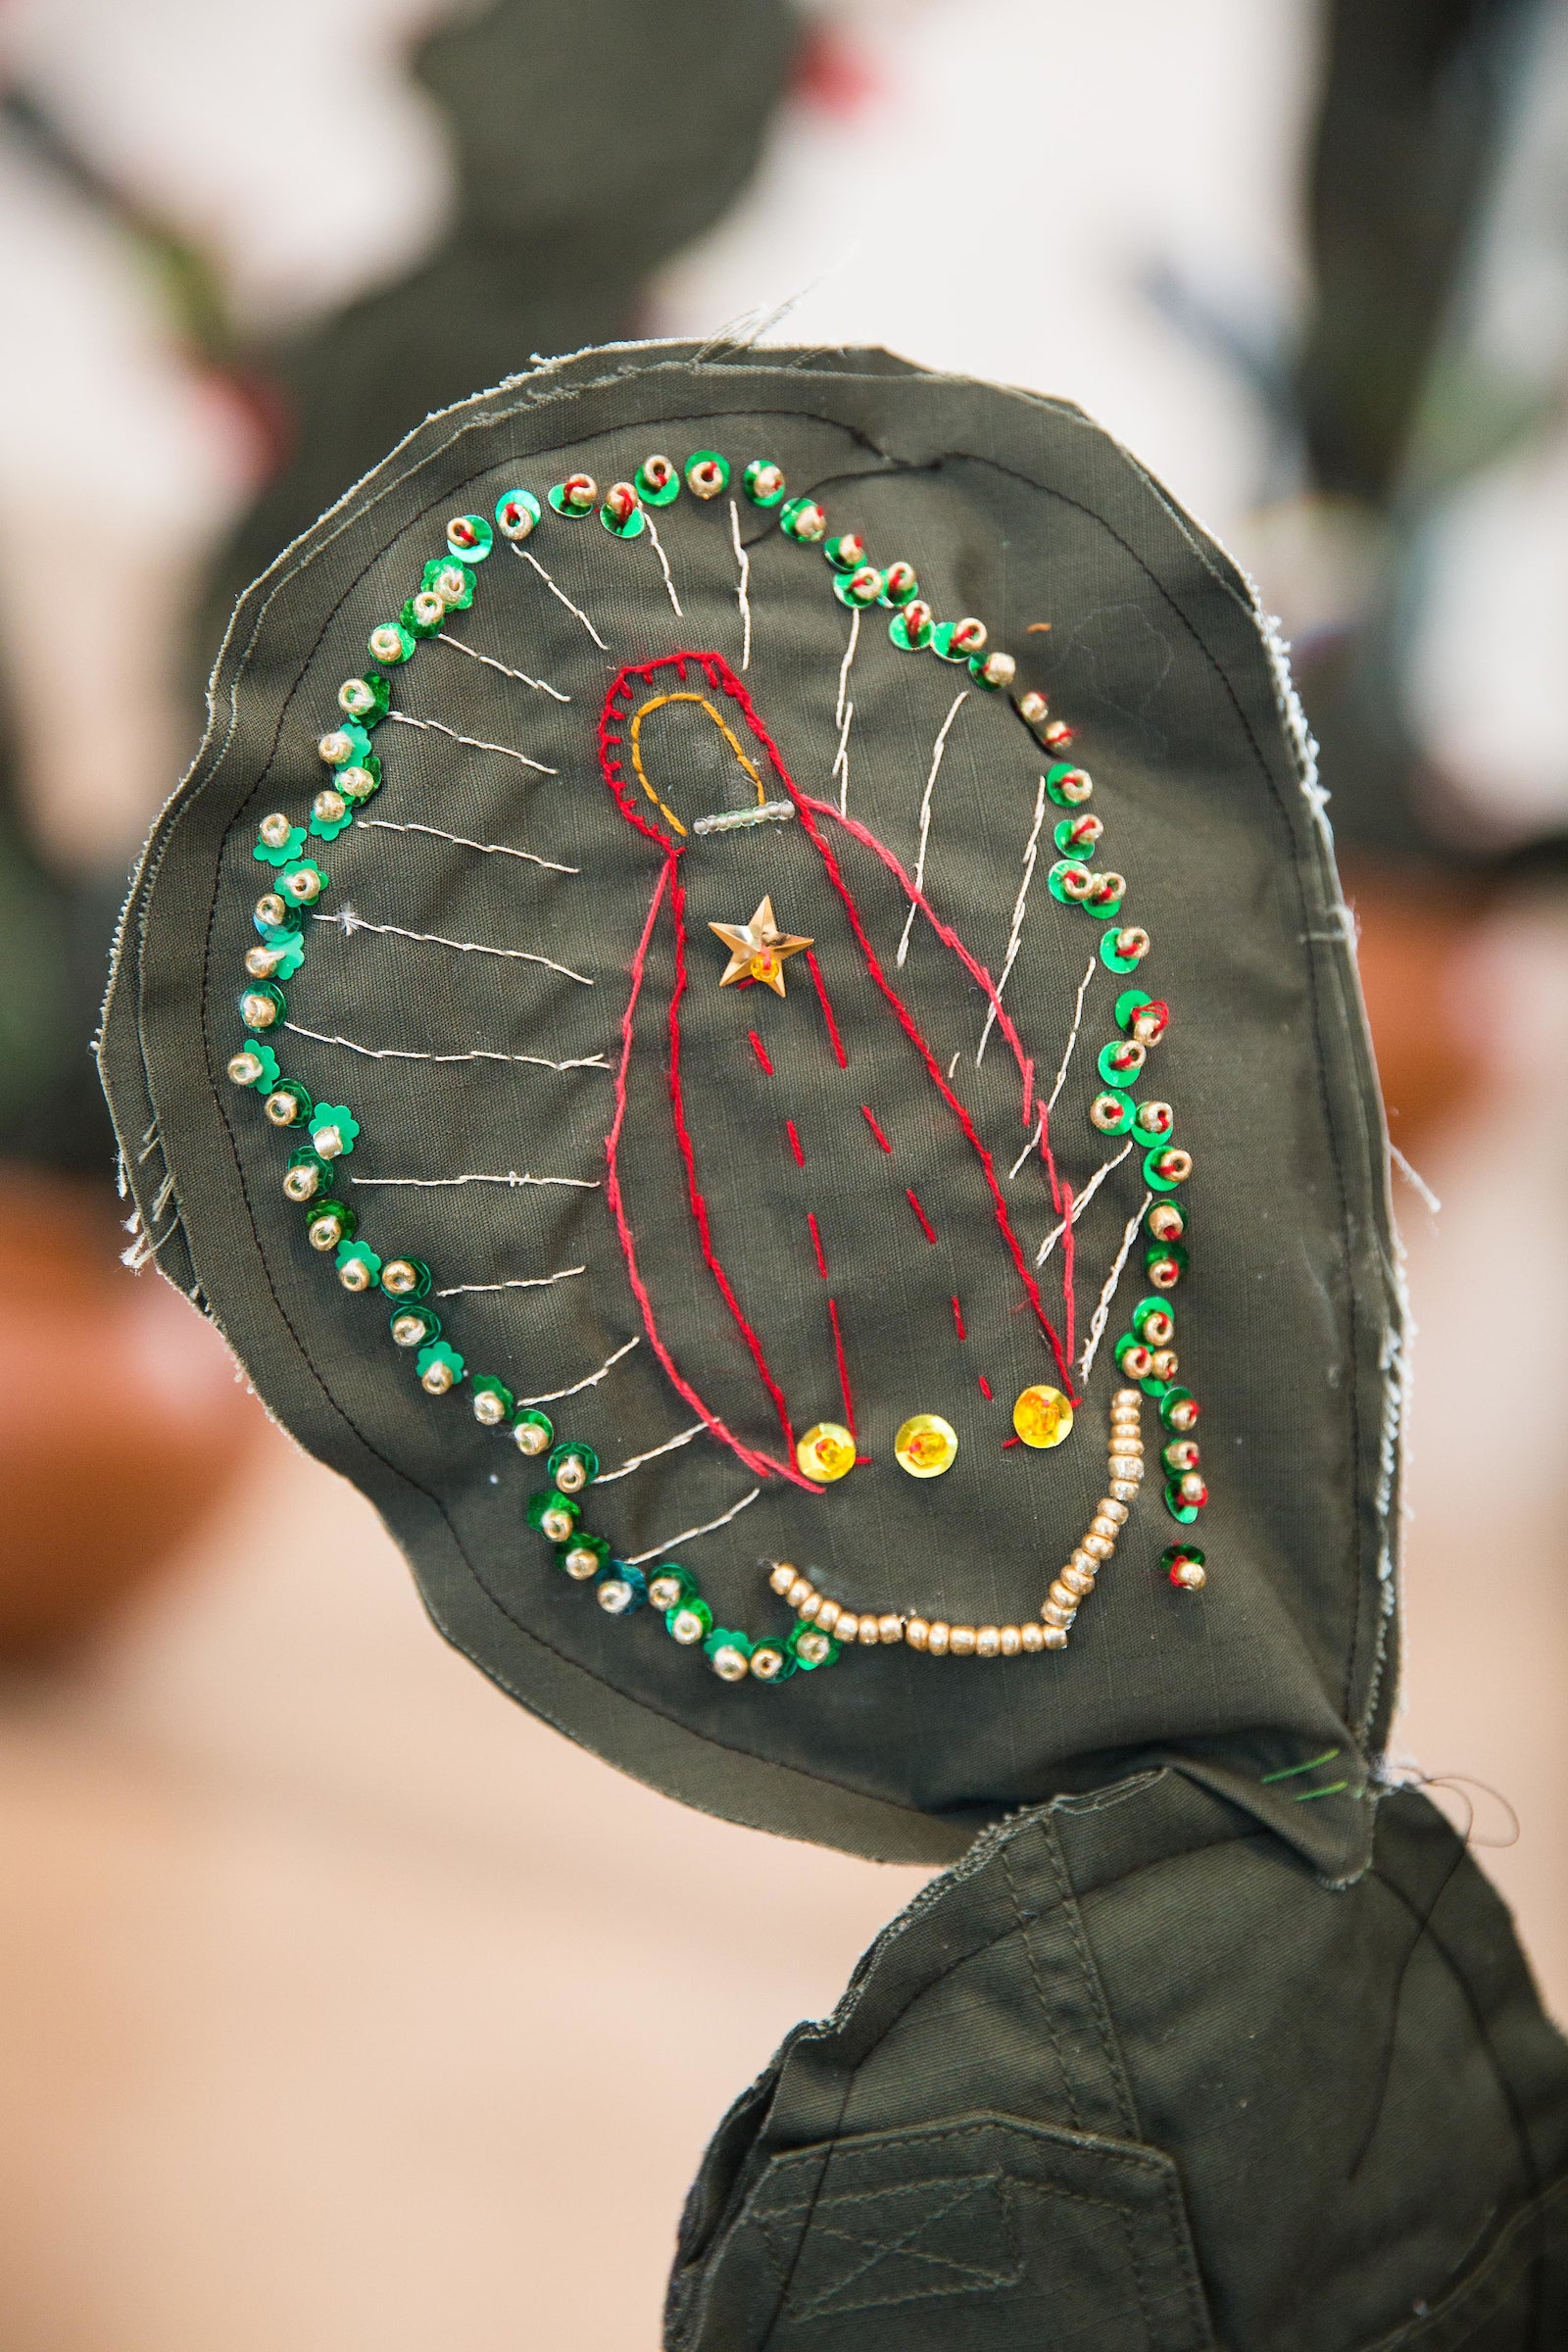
(1131, 2078)
(1017, 509)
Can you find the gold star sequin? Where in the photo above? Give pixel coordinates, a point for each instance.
(757, 949)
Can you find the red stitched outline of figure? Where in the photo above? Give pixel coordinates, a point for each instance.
(721, 679)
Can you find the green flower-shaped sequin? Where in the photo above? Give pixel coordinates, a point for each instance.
(328, 828)
(329, 1116)
(439, 1352)
(268, 856)
(291, 953)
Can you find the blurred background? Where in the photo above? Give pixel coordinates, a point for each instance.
(316, 2028)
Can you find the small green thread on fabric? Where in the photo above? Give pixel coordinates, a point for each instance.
(1334, 1789)
(1289, 1770)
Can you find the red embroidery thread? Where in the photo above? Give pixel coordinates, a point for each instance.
(844, 1371)
(817, 1243)
(958, 1317)
(834, 1038)
(795, 1143)
(865, 1113)
(926, 1222)
(761, 1051)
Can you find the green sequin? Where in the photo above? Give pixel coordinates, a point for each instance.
(516, 512)
(1131, 1001)
(438, 1356)
(390, 643)
(860, 588)
(1057, 777)
(288, 1103)
(1170, 1403)
(706, 473)
(1115, 1073)
(1183, 1513)
(572, 1451)
(764, 483)
(422, 623)
(1112, 960)
(810, 1647)
(267, 853)
(660, 487)
(771, 1662)
(328, 1116)
(358, 1254)
(911, 635)
(253, 1002)
(1156, 1182)
(455, 592)
(266, 1076)
(366, 700)
(535, 1422)
(1057, 878)
(424, 1324)
(469, 538)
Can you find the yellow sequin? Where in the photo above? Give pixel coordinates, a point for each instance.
(926, 1445)
(1041, 1417)
(826, 1453)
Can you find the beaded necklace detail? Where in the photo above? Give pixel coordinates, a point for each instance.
(323, 1134)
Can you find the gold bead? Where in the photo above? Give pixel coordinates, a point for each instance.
(1064, 1594)
(1097, 1547)
(987, 1642)
(398, 1278)
(435, 1380)
(826, 1453)
(329, 807)
(918, 1632)
(1011, 1640)
(938, 1638)
(272, 909)
(868, 1632)
(301, 1184)
(1052, 1612)
(814, 1646)
(1041, 1417)
(245, 1068)
(810, 1608)
(1130, 1397)
(1111, 1509)
(802, 1589)
(263, 962)
(325, 1233)
(926, 1445)
(781, 1576)
(731, 1665)
(829, 1613)
(1055, 1636)
(1105, 1529)
(257, 1012)
(1127, 1467)
(1189, 1575)
(847, 1628)
(283, 1110)
(890, 1627)
(580, 1561)
(527, 1437)
(412, 1331)
(275, 829)
(1075, 1582)
(489, 1409)
(302, 887)
(686, 1627)
(1166, 1364)
(1124, 1490)
(962, 1641)
(1033, 1638)
(354, 1274)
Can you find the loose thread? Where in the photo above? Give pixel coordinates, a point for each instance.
(1081, 1202)
(349, 922)
(488, 849)
(518, 1282)
(474, 743)
(743, 564)
(689, 1534)
(843, 1370)
(1288, 1771)
(540, 685)
(795, 1143)
(761, 1051)
(586, 1062)
(926, 1226)
(554, 1396)
(663, 563)
(608, 1478)
(1020, 907)
(957, 1318)
(865, 1113)
(1415, 1180)
(1102, 1313)
(833, 1037)
(817, 1243)
(561, 593)
(617, 1205)
(938, 748)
